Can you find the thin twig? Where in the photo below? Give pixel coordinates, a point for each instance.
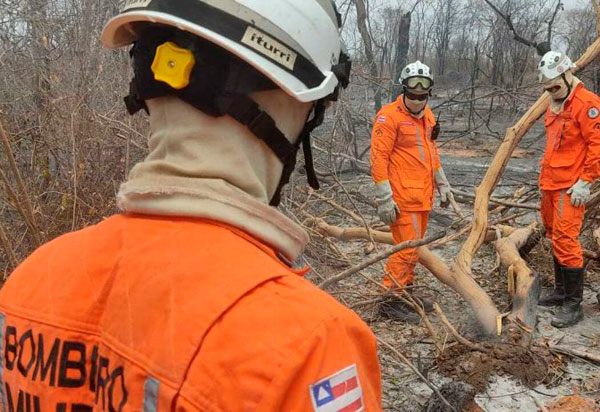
(416, 371)
(499, 201)
(454, 332)
(8, 247)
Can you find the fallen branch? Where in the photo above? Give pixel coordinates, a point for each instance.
(374, 259)
(583, 354)
(499, 201)
(525, 283)
(351, 233)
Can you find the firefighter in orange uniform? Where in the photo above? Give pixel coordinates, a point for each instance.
(570, 166)
(406, 168)
(187, 300)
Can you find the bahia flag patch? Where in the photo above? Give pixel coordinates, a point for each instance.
(340, 392)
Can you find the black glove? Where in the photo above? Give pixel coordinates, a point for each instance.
(435, 132)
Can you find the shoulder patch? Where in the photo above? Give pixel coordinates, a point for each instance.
(381, 119)
(338, 392)
(593, 112)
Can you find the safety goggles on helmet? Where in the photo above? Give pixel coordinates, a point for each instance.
(424, 83)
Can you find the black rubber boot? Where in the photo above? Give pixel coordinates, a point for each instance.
(557, 296)
(392, 307)
(571, 311)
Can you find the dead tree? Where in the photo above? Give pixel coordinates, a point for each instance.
(402, 44)
(361, 21)
(541, 47)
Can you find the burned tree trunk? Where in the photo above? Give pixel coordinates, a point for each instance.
(403, 41)
(361, 21)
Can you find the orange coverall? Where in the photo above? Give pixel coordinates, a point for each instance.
(154, 314)
(572, 153)
(403, 153)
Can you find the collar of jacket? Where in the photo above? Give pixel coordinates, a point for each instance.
(212, 168)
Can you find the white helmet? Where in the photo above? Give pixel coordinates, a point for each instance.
(416, 69)
(301, 55)
(552, 65)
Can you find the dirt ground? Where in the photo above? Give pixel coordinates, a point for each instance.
(507, 378)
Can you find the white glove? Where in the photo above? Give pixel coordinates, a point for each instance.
(386, 207)
(580, 192)
(443, 187)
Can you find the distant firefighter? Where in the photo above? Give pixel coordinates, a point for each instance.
(406, 168)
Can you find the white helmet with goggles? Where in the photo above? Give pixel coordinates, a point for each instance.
(416, 75)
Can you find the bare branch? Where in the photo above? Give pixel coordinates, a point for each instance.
(541, 48)
(400, 246)
(559, 6)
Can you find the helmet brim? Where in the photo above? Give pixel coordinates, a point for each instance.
(124, 29)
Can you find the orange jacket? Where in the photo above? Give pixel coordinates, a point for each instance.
(572, 142)
(161, 314)
(403, 153)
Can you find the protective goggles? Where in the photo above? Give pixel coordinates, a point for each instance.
(417, 81)
(414, 96)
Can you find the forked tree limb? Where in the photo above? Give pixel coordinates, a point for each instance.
(526, 283)
(542, 47)
(485, 311)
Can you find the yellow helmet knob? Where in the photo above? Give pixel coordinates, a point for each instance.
(173, 65)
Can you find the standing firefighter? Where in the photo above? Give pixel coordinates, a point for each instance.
(186, 301)
(406, 168)
(570, 165)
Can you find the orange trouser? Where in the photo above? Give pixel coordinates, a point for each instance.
(563, 225)
(401, 265)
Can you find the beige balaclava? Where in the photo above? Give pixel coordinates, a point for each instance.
(215, 168)
(561, 91)
(416, 106)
